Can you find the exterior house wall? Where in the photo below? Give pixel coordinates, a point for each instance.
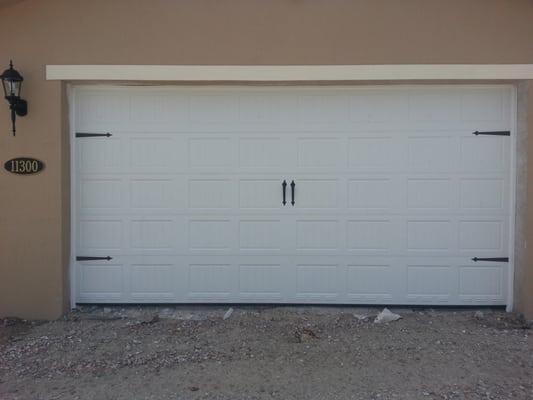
(34, 210)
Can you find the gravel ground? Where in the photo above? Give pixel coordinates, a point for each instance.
(267, 353)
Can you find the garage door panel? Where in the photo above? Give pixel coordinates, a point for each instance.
(490, 154)
(393, 194)
(318, 193)
(432, 154)
(151, 281)
(484, 194)
(101, 234)
(209, 152)
(100, 156)
(156, 193)
(211, 193)
(101, 193)
(482, 284)
(370, 282)
(364, 193)
(260, 193)
(262, 152)
(377, 105)
(374, 153)
(320, 152)
(211, 235)
(431, 193)
(101, 283)
(261, 282)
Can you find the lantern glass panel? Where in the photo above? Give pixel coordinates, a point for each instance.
(11, 88)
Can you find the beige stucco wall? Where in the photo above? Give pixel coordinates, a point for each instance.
(34, 210)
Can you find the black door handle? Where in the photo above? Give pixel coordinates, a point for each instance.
(292, 192)
(284, 186)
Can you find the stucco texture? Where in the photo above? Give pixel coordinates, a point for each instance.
(34, 210)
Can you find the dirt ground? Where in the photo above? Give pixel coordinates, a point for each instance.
(267, 353)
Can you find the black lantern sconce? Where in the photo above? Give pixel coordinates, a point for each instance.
(12, 84)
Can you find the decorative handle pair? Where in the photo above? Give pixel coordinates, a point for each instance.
(284, 186)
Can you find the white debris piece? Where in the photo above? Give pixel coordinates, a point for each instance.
(228, 313)
(361, 317)
(386, 316)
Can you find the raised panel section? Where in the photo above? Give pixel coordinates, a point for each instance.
(171, 107)
(482, 154)
(265, 108)
(319, 152)
(429, 193)
(480, 235)
(151, 153)
(482, 105)
(210, 193)
(210, 152)
(210, 234)
(101, 193)
(370, 193)
(368, 235)
(430, 282)
(100, 234)
(375, 152)
(152, 234)
(481, 281)
(152, 281)
(373, 106)
(158, 108)
(315, 193)
(210, 281)
(260, 281)
(317, 235)
(260, 193)
(260, 152)
(317, 281)
(102, 108)
(482, 193)
(99, 156)
(101, 281)
(213, 108)
(431, 154)
(151, 193)
(429, 235)
(315, 108)
(144, 108)
(435, 106)
(260, 235)
(369, 282)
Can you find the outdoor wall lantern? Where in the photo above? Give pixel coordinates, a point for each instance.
(12, 83)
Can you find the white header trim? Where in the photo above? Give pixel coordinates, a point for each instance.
(289, 72)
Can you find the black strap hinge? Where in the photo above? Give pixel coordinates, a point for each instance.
(492, 133)
(496, 259)
(93, 258)
(82, 134)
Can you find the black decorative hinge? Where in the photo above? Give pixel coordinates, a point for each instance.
(81, 134)
(493, 133)
(93, 258)
(497, 259)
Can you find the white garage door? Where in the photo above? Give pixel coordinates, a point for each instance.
(393, 194)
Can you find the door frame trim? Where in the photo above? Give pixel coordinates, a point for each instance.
(289, 73)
